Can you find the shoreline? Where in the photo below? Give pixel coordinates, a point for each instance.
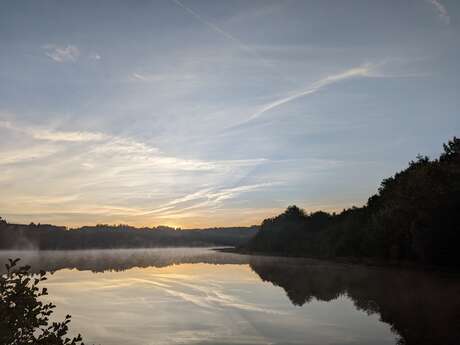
(369, 262)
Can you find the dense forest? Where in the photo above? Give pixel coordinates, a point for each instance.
(45, 236)
(415, 216)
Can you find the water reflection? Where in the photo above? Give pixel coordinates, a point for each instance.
(115, 260)
(422, 308)
(204, 297)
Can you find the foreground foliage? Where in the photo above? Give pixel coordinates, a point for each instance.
(24, 318)
(415, 216)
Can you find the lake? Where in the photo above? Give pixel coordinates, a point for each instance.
(202, 296)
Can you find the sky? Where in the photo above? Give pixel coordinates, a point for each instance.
(195, 113)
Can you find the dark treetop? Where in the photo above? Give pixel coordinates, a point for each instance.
(415, 216)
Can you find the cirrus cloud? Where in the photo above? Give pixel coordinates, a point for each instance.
(61, 54)
(441, 10)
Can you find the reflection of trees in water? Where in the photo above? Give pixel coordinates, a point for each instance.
(120, 259)
(422, 308)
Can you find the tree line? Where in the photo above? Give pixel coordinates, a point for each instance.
(103, 236)
(414, 216)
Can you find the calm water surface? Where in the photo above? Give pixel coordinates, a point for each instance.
(200, 296)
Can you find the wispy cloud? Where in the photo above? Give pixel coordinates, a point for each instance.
(150, 77)
(209, 24)
(205, 198)
(239, 43)
(54, 135)
(26, 154)
(69, 53)
(362, 71)
(109, 172)
(67, 136)
(94, 56)
(142, 155)
(441, 10)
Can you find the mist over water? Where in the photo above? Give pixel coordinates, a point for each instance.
(203, 296)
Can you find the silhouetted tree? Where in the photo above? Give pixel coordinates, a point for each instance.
(451, 150)
(414, 216)
(24, 318)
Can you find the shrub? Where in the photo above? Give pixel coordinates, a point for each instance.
(24, 318)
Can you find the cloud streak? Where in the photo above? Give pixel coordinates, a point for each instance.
(22, 155)
(206, 198)
(209, 24)
(441, 10)
(231, 38)
(53, 135)
(61, 54)
(149, 77)
(362, 71)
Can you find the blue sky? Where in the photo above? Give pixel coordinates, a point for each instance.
(210, 113)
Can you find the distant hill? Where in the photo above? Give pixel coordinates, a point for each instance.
(45, 236)
(415, 216)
